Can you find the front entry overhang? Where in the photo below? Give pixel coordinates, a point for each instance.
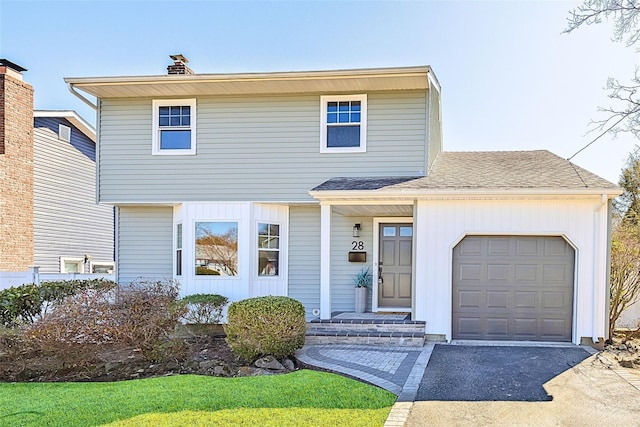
(379, 211)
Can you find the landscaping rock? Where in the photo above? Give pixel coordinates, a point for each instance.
(250, 371)
(270, 363)
(208, 364)
(288, 363)
(627, 362)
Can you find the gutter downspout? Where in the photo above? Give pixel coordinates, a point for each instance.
(598, 257)
(81, 97)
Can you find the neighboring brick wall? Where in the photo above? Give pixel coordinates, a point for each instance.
(16, 174)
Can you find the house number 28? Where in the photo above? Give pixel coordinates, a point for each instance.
(357, 245)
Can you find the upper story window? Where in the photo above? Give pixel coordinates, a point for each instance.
(174, 127)
(343, 124)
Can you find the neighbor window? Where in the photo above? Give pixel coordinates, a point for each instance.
(216, 248)
(71, 265)
(343, 123)
(268, 249)
(174, 126)
(102, 267)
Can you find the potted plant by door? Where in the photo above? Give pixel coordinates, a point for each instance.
(362, 281)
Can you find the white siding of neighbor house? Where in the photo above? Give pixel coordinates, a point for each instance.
(145, 243)
(253, 148)
(246, 283)
(442, 224)
(67, 220)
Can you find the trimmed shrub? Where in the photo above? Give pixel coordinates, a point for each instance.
(264, 326)
(204, 308)
(27, 303)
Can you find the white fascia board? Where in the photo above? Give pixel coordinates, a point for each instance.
(278, 75)
(339, 81)
(73, 117)
(378, 195)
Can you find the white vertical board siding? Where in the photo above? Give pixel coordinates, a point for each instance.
(145, 247)
(253, 148)
(67, 220)
(442, 224)
(304, 256)
(343, 272)
(246, 283)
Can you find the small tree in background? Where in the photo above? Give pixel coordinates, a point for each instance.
(624, 288)
(625, 271)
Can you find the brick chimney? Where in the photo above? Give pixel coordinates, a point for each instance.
(179, 65)
(16, 169)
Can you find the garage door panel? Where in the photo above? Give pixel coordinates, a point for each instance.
(526, 246)
(525, 328)
(553, 328)
(554, 301)
(556, 247)
(513, 288)
(471, 246)
(470, 299)
(525, 299)
(555, 273)
(497, 299)
(526, 273)
(497, 327)
(470, 272)
(470, 327)
(498, 272)
(498, 246)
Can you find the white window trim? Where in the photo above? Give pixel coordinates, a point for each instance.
(105, 263)
(155, 146)
(77, 260)
(259, 276)
(363, 123)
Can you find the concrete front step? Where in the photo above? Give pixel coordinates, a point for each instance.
(414, 327)
(375, 330)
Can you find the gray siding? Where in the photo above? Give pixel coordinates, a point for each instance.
(145, 243)
(435, 127)
(343, 271)
(260, 148)
(67, 220)
(304, 256)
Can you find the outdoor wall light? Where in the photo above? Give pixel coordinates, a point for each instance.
(356, 230)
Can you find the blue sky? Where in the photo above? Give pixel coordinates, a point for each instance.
(510, 79)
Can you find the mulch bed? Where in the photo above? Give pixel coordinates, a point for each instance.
(207, 356)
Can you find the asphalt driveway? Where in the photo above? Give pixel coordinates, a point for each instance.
(523, 386)
(479, 373)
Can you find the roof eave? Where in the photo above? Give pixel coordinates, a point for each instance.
(611, 193)
(401, 78)
(73, 117)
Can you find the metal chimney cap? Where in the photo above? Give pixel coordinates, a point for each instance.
(179, 58)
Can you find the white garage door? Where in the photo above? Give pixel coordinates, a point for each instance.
(513, 288)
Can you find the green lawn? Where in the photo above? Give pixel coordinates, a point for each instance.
(302, 398)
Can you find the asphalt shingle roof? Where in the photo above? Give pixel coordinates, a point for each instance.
(484, 170)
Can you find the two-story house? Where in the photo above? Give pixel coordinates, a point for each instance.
(290, 183)
(49, 217)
